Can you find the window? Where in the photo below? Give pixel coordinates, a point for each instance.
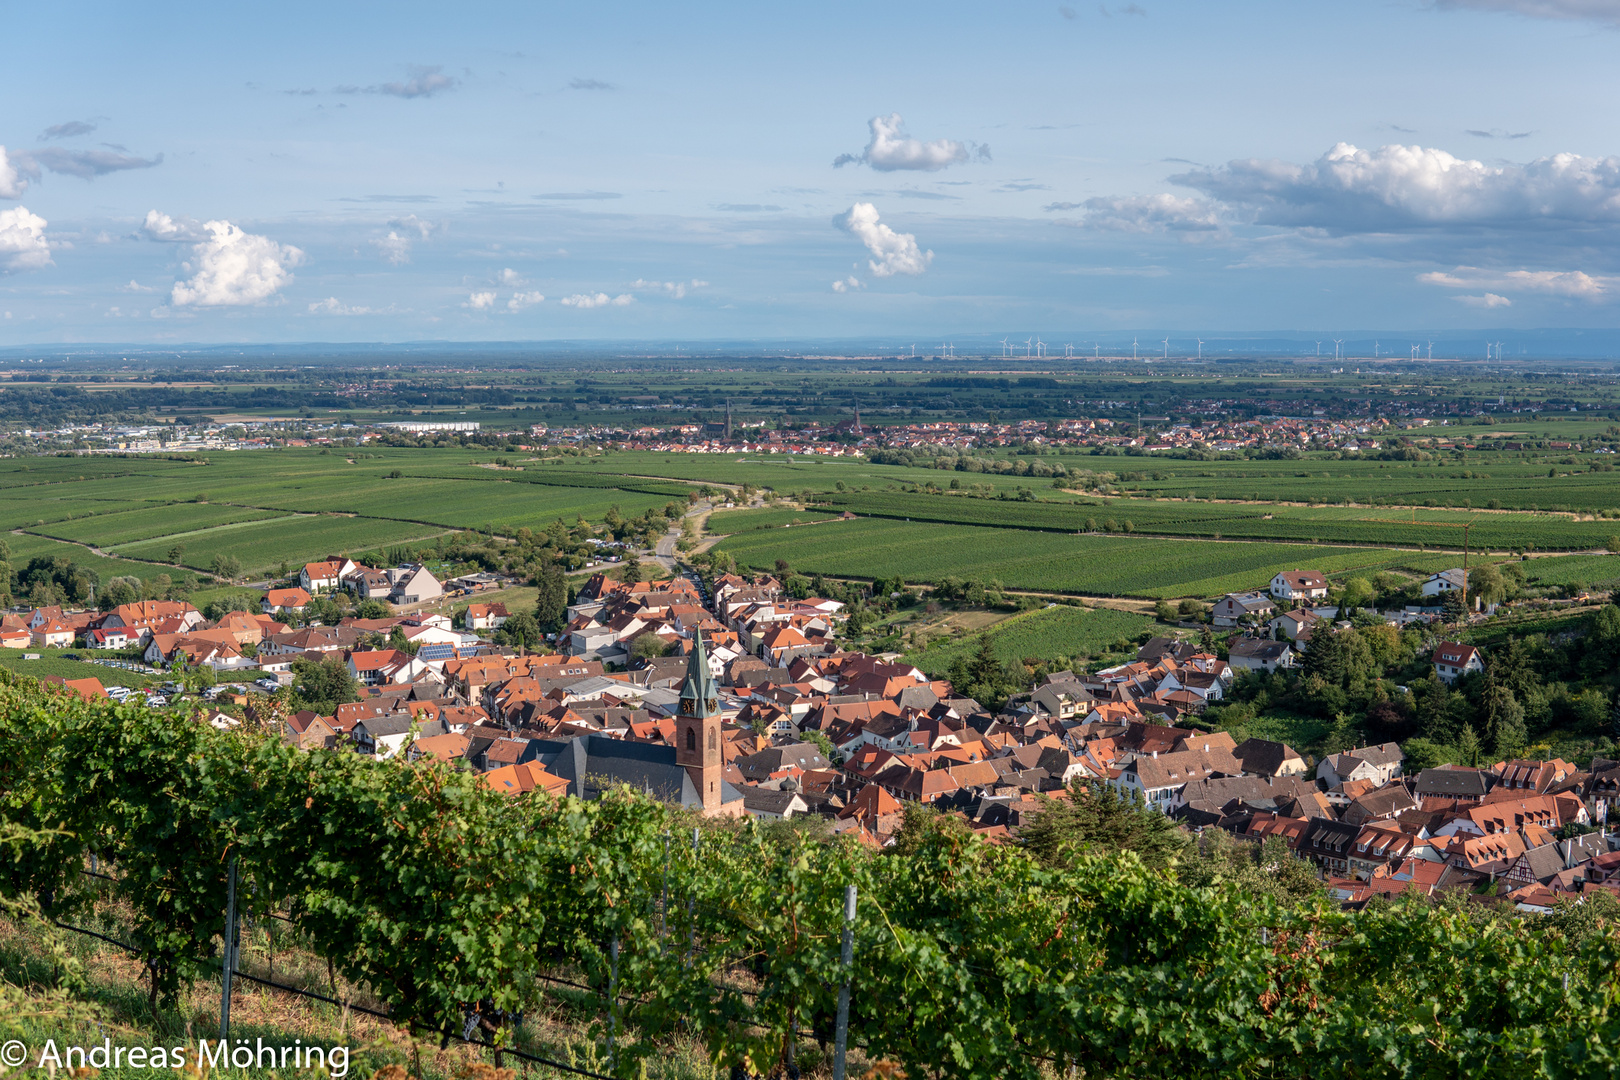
(711, 739)
(691, 739)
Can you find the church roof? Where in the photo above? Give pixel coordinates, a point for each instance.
(699, 686)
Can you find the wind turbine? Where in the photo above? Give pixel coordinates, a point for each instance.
(1096, 352)
(1375, 348)
(1167, 348)
(1499, 350)
(1319, 350)
(1068, 350)
(1336, 343)
(1200, 348)
(1133, 348)
(1040, 347)
(1431, 350)
(1003, 346)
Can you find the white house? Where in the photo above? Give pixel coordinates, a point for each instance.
(1232, 608)
(414, 584)
(1445, 581)
(1299, 585)
(1453, 661)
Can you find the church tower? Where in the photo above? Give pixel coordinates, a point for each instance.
(697, 728)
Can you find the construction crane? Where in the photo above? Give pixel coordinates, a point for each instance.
(1464, 526)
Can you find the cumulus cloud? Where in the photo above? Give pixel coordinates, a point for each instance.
(228, 267)
(893, 253)
(1571, 284)
(136, 287)
(521, 300)
(13, 177)
(891, 148)
(333, 306)
(847, 284)
(160, 226)
(510, 276)
(23, 245)
(1488, 300)
(675, 289)
(1149, 213)
(412, 223)
(394, 248)
(68, 130)
(596, 300)
(480, 301)
(1410, 187)
(1605, 11)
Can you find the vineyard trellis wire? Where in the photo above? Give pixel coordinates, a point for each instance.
(438, 895)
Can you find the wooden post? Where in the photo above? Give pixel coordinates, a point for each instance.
(229, 950)
(841, 1037)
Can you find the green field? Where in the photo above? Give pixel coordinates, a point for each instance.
(1036, 637)
(128, 526)
(25, 547)
(51, 663)
(263, 545)
(736, 521)
(1053, 562)
(1340, 525)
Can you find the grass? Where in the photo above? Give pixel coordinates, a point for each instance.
(1053, 562)
(1037, 637)
(25, 546)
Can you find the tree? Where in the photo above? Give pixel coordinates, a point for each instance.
(322, 685)
(1358, 592)
(1164, 612)
(372, 609)
(551, 606)
(226, 566)
(1451, 607)
(1504, 723)
(118, 592)
(1468, 746)
(1485, 582)
(1098, 819)
(177, 552)
(819, 740)
(522, 630)
(630, 573)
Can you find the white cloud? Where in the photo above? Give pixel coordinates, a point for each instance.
(675, 289)
(90, 163)
(333, 306)
(480, 301)
(1607, 11)
(521, 300)
(160, 226)
(136, 287)
(891, 148)
(1573, 284)
(411, 222)
(1489, 300)
(22, 240)
(229, 267)
(895, 253)
(847, 284)
(13, 176)
(1406, 187)
(1149, 213)
(510, 276)
(596, 300)
(423, 82)
(394, 248)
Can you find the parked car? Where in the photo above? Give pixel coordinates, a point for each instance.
(70, 656)
(156, 700)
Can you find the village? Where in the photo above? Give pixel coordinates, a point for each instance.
(727, 696)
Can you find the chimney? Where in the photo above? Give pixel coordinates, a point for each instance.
(1155, 755)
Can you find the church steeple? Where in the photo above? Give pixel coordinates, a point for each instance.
(697, 728)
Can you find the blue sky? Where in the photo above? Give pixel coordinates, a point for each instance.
(373, 172)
